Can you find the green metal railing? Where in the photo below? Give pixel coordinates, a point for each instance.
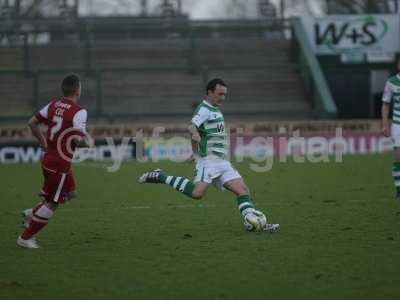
(188, 33)
(95, 75)
(88, 31)
(324, 106)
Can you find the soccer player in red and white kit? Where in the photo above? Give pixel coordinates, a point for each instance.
(66, 127)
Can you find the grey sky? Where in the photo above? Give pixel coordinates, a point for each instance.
(201, 9)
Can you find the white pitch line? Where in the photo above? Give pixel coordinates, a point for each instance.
(144, 207)
(138, 207)
(92, 165)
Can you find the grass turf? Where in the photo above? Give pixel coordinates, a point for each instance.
(339, 236)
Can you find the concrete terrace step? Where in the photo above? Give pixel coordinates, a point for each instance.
(261, 78)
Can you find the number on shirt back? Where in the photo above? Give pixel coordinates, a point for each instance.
(56, 127)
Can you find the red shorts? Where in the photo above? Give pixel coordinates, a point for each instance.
(57, 186)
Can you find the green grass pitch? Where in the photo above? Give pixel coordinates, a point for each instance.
(339, 236)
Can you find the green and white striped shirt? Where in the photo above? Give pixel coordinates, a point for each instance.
(210, 122)
(392, 93)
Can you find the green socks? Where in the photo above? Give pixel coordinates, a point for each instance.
(185, 186)
(181, 184)
(244, 203)
(396, 176)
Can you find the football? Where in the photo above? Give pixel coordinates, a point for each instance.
(255, 221)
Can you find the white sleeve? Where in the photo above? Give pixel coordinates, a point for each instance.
(79, 120)
(44, 112)
(387, 93)
(201, 116)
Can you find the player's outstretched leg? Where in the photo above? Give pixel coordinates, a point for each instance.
(396, 172)
(179, 183)
(244, 202)
(396, 178)
(38, 218)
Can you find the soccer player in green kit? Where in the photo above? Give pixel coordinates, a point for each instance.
(391, 94)
(210, 151)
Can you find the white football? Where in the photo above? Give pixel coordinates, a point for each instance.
(255, 221)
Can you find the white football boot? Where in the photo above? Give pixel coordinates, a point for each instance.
(30, 244)
(151, 177)
(271, 228)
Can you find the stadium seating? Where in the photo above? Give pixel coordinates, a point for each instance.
(153, 77)
(151, 93)
(140, 53)
(16, 94)
(11, 58)
(56, 56)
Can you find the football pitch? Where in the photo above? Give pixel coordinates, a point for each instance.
(339, 236)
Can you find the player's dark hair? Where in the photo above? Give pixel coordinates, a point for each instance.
(212, 84)
(70, 85)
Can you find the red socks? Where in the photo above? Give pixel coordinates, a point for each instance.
(40, 217)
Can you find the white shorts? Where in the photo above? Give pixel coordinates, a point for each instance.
(216, 171)
(396, 135)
